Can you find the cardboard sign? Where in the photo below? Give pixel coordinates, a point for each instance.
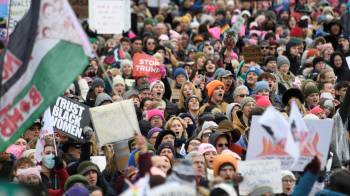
(100, 161)
(146, 65)
(260, 173)
(109, 16)
(17, 10)
(70, 117)
(173, 189)
(252, 53)
(115, 122)
(314, 142)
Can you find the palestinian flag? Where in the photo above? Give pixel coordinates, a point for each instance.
(46, 52)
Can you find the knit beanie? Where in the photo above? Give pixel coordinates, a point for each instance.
(246, 100)
(189, 98)
(180, 71)
(154, 112)
(102, 97)
(222, 159)
(125, 62)
(206, 147)
(118, 80)
(310, 89)
(97, 82)
(165, 145)
(182, 173)
(77, 190)
(77, 178)
(262, 101)
(86, 166)
(156, 82)
(256, 70)
(285, 173)
(294, 42)
(261, 85)
(261, 190)
(281, 60)
(27, 153)
(212, 85)
(152, 131)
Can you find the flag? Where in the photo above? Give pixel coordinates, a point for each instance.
(46, 52)
(279, 129)
(297, 123)
(46, 130)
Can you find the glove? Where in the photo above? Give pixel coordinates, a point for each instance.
(58, 163)
(314, 166)
(237, 178)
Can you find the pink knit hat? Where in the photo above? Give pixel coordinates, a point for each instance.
(262, 101)
(154, 112)
(206, 147)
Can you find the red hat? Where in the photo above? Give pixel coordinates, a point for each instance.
(212, 85)
(316, 110)
(296, 32)
(262, 101)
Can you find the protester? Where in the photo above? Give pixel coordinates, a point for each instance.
(209, 72)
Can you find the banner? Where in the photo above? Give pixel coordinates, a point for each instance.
(146, 65)
(46, 52)
(115, 122)
(18, 8)
(70, 117)
(4, 11)
(110, 16)
(315, 142)
(260, 173)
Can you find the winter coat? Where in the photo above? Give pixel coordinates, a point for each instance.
(285, 80)
(238, 123)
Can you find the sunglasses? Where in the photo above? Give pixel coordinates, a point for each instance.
(243, 95)
(265, 48)
(223, 145)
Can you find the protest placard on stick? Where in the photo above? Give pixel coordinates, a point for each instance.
(115, 122)
(260, 173)
(70, 117)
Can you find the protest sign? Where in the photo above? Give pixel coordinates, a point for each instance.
(46, 130)
(252, 53)
(17, 10)
(348, 61)
(173, 189)
(314, 142)
(157, 3)
(260, 173)
(146, 65)
(70, 117)
(100, 161)
(109, 16)
(115, 122)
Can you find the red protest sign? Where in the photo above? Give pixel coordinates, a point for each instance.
(146, 65)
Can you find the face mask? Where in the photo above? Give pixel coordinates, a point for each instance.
(48, 160)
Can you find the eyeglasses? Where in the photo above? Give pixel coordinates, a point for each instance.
(195, 143)
(264, 48)
(243, 95)
(291, 181)
(222, 145)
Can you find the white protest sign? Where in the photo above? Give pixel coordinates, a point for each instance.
(348, 61)
(109, 16)
(18, 8)
(70, 117)
(157, 3)
(173, 189)
(260, 173)
(115, 122)
(100, 161)
(46, 130)
(314, 142)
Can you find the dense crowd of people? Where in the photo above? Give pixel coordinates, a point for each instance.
(195, 118)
